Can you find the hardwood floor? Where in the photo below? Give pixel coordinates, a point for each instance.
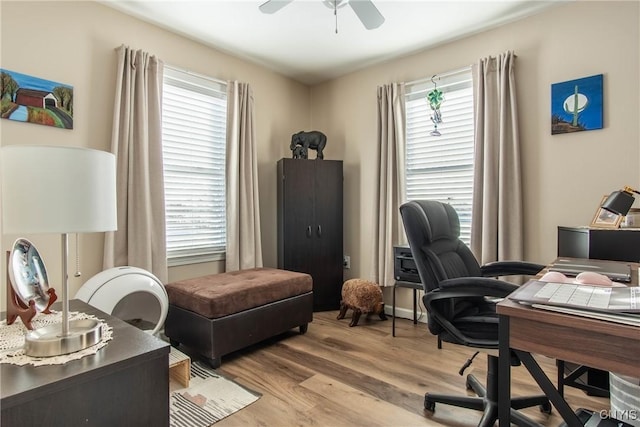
(335, 375)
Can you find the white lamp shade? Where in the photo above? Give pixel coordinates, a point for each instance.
(48, 189)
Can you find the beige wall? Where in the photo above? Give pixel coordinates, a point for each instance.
(73, 43)
(565, 176)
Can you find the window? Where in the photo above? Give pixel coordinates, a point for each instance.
(194, 117)
(441, 167)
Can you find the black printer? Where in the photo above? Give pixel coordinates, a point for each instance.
(404, 267)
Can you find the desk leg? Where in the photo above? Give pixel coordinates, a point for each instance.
(560, 366)
(504, 373)
(546, 385)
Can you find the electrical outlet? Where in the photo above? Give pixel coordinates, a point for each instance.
(346, 262)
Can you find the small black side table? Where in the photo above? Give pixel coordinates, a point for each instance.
(411, 285)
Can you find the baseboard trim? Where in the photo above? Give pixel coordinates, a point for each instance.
(404, 313)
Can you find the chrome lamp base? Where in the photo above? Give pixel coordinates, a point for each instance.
(50, 341)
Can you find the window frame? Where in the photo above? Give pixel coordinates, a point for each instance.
(208, 172)
(457, 132)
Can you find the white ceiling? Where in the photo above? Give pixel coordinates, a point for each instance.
(300, 40)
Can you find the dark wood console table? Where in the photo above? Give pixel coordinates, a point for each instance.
(125, 384)
(620, 244)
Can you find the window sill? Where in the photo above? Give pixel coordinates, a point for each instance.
(195, 259)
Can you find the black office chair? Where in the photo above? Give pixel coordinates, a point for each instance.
(460, 300)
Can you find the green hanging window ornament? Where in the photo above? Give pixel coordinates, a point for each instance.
(435, 98)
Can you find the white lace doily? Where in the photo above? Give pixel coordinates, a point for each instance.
(12, 340)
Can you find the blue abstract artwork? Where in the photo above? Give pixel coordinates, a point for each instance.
(576, 105)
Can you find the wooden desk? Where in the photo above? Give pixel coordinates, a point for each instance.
(125, 384)
(604, 345)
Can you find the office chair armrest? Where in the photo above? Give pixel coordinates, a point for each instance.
(477, 287)
(440, 294)
(510, 268)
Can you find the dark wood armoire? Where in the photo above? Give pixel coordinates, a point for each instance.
(310, 225)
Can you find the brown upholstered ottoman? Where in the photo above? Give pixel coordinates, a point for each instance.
(222, 313)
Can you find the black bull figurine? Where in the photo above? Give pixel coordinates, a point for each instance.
(314, 139)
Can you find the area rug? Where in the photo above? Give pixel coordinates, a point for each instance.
(209, 398)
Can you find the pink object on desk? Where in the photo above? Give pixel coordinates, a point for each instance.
(584, 278)
(556, 277)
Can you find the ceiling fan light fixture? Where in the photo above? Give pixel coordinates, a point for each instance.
(335, 4)
(365, 10)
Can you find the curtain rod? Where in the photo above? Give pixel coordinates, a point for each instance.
(191, 73)
(447, 74)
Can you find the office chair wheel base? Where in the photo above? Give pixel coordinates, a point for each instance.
(545, 408)
(429, 405)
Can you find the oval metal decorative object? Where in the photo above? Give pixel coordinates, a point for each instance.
(28, 274)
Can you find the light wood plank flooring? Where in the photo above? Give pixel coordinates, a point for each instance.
(335, 375)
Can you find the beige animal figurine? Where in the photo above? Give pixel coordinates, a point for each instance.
(361, 296)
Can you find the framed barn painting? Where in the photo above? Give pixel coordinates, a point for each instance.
(576, 105)
(34, 100)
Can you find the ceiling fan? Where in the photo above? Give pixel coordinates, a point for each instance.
(366, 11)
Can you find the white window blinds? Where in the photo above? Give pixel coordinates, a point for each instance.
(194, 117)
(441, 167)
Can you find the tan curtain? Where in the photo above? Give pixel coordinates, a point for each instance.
(497, 223)
(137, 143)
(390, 190)
(244, 244)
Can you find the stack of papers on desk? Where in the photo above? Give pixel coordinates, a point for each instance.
(581, 296)
(632, 319)
(617, 304)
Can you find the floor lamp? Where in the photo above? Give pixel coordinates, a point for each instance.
(62, 190)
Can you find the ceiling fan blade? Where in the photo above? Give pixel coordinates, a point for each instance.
(367, 13)
(272, 6)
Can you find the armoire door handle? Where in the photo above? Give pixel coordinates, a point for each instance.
(319, 231)
(309, 231)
